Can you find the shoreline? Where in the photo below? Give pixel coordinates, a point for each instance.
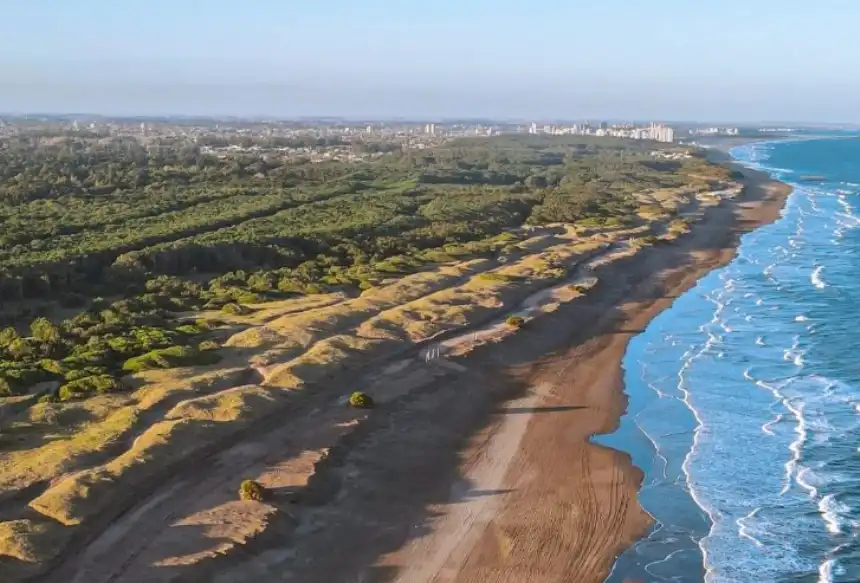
(550, 503)
(477, 468)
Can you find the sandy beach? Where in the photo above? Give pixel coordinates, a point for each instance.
(489, 475)
(565, 507)
(532, 499)
(475, 466)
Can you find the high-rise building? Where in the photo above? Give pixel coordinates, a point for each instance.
(533, 128)
(430, 129)
(660, 133)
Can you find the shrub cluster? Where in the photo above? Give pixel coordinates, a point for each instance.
(515, 321)
(169, 358)
(360, 400)
(87, 386)
(235, 309)
(252, 490)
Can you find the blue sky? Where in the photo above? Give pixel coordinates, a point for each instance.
(739, 60)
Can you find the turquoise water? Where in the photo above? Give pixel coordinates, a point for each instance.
(745, 395)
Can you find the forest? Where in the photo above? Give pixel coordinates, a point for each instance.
(119, 237)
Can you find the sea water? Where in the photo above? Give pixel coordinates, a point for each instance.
(744, 409)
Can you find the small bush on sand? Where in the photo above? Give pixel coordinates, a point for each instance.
(360, 400)
(679, 226)
(235, 309)
(493, 276)
(251, 490)
(208, 345)
(515, 321)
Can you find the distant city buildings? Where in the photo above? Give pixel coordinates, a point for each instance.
(654, 131)
(316, 140)
(661, 133)
(715, 131)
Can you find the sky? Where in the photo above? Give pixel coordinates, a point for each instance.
(669, 60)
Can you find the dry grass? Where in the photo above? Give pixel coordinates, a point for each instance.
(165, 444)
(287, 336)
(229, 405)
(25, 541)
(63, 437)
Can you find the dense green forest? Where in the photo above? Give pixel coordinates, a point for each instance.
(166, 228)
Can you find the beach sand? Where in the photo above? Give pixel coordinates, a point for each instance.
(474, 469)
(533, 500)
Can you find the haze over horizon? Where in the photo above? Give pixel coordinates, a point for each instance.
(668, 60)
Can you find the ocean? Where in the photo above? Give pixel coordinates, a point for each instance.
(744, 395)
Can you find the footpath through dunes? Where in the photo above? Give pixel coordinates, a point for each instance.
(150, 493)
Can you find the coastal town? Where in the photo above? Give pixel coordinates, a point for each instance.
(320, 140)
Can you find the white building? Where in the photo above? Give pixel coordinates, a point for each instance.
(661, 133)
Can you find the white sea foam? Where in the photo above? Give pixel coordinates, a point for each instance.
(815, 278)
(796, 446)
(833, 511)
(767, 428)
(744, 531)
(829, 568)
(763, 523)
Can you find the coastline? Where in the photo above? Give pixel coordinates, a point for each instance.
(479, 468)
(508, 485)
(559, 484)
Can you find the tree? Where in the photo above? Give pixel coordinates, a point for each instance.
(8, 336)
(44, 331)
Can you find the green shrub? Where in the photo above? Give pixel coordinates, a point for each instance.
(22, 377)
(86, 371)
(169, 358)
(5, 388)
(52, 366)
(235, 309)
(87, 386)
(189, 329)
(492, 276)
(515, 321)
(251, 490)
(360, 400)
(249, 298)
(208, 345)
